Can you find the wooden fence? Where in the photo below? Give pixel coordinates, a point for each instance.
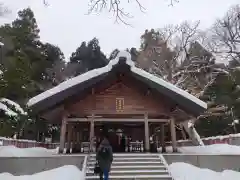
(22, 143)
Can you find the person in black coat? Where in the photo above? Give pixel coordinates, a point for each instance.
(104, 159)
(123, 143)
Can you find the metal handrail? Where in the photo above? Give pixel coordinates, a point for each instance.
(87, 156)
(166, 165)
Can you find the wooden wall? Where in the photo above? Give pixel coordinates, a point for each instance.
(120, 99)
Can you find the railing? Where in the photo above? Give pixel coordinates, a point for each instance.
(23, 143)
(90, 149)
(137, 146)
(233, 139)
(165, 164)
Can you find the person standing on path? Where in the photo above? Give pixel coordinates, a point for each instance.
(104, 158)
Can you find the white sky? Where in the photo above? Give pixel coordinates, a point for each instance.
(65, 23)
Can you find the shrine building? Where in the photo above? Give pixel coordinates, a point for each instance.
(120, 98)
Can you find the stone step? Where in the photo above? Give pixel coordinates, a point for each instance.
(131, 155)
(129, 166)
(133, 172)
(138, 167)
(137, 177)
(130, 159)
(130, 163)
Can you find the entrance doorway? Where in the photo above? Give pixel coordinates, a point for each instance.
(123, 137)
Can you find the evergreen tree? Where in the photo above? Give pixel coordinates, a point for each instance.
(86, 57)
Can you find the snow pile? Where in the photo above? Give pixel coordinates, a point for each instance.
(222, 137)
(12, 151)
(21, 140)
(184, 171)
(68, 172)
(214, 149)
(211, 149)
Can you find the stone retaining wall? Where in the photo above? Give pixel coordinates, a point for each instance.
(213, 162)
(31, 165)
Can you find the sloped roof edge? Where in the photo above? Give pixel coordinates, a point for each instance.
(97, 72)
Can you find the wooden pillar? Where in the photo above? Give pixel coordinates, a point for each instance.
(78, 146)
(74, 138)
(173, 135)
(146, 130)
(62, 135)
(69, 137)
(91, 136)
(162, 131)
(81, 138)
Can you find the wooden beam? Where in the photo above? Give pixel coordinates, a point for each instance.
(173, 135)
(115, 120)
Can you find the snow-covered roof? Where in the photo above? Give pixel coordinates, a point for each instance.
(165, 86)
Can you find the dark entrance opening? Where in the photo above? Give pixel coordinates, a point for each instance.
(123, 136)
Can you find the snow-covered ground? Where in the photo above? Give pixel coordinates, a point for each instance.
(211, 149)
(68, 172)
(12, 151)
(179, 171)
(184, 171)
(207, 149)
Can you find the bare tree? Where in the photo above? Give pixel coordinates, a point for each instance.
(176, 54)
(3, 10)
(117, 8)
(178, 39)
(224, 36)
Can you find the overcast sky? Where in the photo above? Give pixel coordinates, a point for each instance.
(65, 23)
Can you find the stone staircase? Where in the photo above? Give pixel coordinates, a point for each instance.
(132, 166)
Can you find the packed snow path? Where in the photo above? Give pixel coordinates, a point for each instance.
(133, 166)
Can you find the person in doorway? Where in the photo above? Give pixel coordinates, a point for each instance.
(123, 143)
(104, 158)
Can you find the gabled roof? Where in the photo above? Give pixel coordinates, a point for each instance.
(75, 85)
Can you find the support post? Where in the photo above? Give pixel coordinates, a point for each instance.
(69, 138)
(74, 138)
(173, 134)
(78, 147)
(162, 131)
(146, 128)
(62, 135)
(91, 136)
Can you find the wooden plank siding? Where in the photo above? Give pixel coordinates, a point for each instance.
(133, 101)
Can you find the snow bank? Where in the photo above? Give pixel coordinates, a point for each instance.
(211, 149)
(12, 151)
(68, 172)
(223, 136)
(184, 171)
(12, 139)
(218, 149)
